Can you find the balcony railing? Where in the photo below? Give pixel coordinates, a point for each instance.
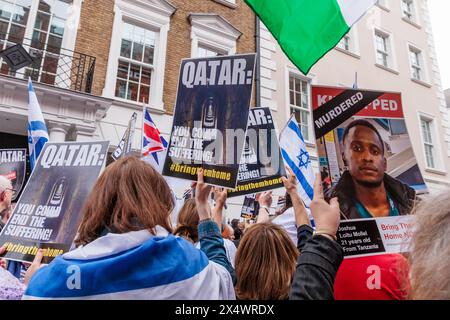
(51, 65)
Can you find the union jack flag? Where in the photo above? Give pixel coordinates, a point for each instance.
(152, 141)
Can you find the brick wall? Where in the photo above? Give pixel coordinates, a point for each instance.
(96, 23)
(94, 37)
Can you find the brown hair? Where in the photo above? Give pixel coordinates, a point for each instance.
(430, 249)
(265, 263)
(187, 222)
(129, 196)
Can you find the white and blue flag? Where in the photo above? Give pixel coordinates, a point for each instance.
(296, 156)
(37, 130)
(133, 266)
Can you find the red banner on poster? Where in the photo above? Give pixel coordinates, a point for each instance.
(388, 106)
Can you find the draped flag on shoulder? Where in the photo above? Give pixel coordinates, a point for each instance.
(125, 145)
(37, 130)
(296, 156)
(159, 267)
(307, 29)
(154, 146)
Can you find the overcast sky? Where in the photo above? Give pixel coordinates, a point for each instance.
(440, 20)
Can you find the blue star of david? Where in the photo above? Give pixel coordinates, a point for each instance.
(304, 159)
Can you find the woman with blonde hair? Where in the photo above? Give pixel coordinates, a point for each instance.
(126, 249)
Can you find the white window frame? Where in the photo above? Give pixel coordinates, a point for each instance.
(214, 32)
(295, 73)
(70, 32)
(422, 65)
(228, 3)
(353, 44)
(392, 61)
(383, 4)
(154, 15)
(414, 19)
(435, 142)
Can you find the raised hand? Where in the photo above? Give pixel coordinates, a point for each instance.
(290, 183)
(202, 193)
(326, 216)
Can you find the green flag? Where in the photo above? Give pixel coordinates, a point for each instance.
(307, 29)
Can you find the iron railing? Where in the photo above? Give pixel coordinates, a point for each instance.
(52, 65)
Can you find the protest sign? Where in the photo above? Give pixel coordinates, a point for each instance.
(210, 118)
(250, 207)
(366, 237)
(125, 145)
(48, 213)
(13, 165)
(261, 166)
(335, 108)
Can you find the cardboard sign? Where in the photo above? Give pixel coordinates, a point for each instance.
(366, 237)
(48, 213)
(13, 165)
(210, 119)
(261, 166)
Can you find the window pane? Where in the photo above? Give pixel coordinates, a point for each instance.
(50, 64)
(135, 72)
(305, 124)
(6, 10)
(297, 85)
(133, 91)
(291, 83)
(291, 97)
(48, 78)
(16, 34)
(121, 88)
(148, 54)
(42, 21)
(38, 40)
(122, 71)
(20, 15)
(61, 8)
(125, 48)
(45, 6)
(144, 94)
(54, 44)
(146, 76)
(58, 26)
(298, 99)
(137, 51)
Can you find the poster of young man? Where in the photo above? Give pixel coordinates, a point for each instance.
(367, 159)
(48, 212)
(13, 165)
(210, 118)
(261, 165)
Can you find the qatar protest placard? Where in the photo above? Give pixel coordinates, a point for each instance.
(261, 166)
(48, 212)
(210, 119)
(13, 165)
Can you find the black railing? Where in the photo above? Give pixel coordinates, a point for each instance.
(51, 64)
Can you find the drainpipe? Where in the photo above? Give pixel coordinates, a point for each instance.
(258, 62)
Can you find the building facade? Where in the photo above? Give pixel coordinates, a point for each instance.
(390, 49)
(98, 61)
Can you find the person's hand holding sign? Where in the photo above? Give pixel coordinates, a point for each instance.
(202, 193)
(326, 216)
(290, 183)
(2, 261)
(35, 266)
(265, 201)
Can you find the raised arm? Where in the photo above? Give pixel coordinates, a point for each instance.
(321, 256)
(211, 242)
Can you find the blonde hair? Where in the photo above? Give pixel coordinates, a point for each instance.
(430, 249)
(265, 263)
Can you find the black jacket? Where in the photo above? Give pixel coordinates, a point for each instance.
(317, 265)
(403, 195)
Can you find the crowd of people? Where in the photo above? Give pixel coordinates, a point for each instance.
(127, 248)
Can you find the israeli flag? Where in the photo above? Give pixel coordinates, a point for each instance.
(37, 130)
(296, 156)
(133, 266)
